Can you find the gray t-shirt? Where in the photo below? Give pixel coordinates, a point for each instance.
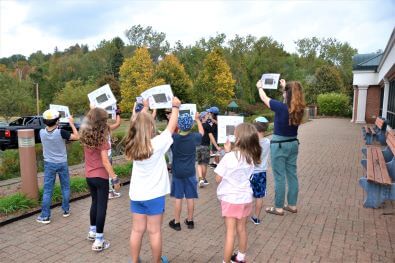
(54, 147)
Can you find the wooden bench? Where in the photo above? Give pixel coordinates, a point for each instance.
(376, 131)
(379, 182)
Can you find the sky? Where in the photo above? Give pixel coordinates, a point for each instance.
(27, 26)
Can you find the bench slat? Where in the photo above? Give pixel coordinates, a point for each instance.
(391, 142)
(376, 167)
(385, 177)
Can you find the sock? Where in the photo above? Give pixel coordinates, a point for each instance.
(240, 256)
(92, 228)
(99, 236)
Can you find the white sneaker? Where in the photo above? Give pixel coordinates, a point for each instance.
(91, 236)
(201, 183)
(113, 194)
(100, 245)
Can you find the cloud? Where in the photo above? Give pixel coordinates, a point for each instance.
(28, 26)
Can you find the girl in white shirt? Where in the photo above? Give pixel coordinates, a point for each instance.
(149, 182)
(234, 190)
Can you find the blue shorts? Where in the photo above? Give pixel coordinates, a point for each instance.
(258, 184)
(184, 187)
(150, 207)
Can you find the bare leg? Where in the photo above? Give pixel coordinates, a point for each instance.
(138, 229)
(204, 171)
(191, 207)
(154, 227)
(230, 224)
(258, 206)
(177, 209)
(242, 234)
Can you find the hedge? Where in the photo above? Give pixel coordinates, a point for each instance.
(334, 104)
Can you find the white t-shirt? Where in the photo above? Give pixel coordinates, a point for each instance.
(150, 178)
(235, 185)
(265, 146)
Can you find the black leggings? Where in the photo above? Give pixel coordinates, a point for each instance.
(99, 192)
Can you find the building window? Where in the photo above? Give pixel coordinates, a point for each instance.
(391, 105)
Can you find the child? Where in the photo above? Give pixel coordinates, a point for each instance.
(184, 183)
(203, 151)
(149, 182)
(94, 137)
(258, 178)
(112, 193)
(212, 120)
(55, 162)
(234, 190)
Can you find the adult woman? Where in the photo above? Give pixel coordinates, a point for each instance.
(284, 144)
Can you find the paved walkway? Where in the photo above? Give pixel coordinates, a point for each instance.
(331, 225)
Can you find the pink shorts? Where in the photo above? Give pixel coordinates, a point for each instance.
(236, 210)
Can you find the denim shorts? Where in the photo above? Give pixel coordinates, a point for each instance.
(258, 184)
(150, 207)
(184, 187)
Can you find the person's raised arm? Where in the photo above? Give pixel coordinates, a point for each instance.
(262, 94)
(117, 120)
(172, 125)
(74, 136)
(199, 123)
(154, 112)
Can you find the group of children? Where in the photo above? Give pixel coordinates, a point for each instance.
(241, 173)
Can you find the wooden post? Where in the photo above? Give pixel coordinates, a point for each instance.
(27, 162)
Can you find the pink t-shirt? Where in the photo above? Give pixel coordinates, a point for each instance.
(93, 164)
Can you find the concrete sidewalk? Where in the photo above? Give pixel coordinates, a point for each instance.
(331, 224)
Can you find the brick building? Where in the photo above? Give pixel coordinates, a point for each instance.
(374, 85)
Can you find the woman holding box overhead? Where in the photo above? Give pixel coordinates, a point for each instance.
(284, 144)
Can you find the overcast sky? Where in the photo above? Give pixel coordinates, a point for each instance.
(30, 25)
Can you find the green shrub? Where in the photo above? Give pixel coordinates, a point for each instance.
(334, 104)
(9, 164)
(123, 170)
(16, 202)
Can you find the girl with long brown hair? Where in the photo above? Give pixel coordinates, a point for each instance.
(234, 191)
(284, 144)
(150, 179)
(94, 134)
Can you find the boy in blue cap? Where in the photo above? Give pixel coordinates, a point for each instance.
(215, 149)
(184, 183)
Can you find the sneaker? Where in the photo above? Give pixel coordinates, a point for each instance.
(91, 236)
(255, 220)
(190, 224)
(100, 245)
(201, 183)
(205, 182)
(43, 220)
(66, 213)
(213, 165)
(233, 259)
(174, 225)
(113, 194)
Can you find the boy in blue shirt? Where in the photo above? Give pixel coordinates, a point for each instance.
(55, 162)
(184, 183)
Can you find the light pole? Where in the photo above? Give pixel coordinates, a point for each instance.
(37, 100)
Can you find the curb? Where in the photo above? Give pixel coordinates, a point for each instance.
(36, 211)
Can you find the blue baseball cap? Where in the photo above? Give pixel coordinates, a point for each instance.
(213, 109)
(139, 107)
(185, 122)
(261, 119)
(202, 115)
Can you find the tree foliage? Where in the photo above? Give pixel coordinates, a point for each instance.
(75, 95)
(136, 75)
(16, 97)
(215, 84)
(172, 72)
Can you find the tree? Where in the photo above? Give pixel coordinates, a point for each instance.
(136, 75)
(16, 97)
(147, 37)
(172, 72)
(75, 96)
(215, 84)
(327, 79)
